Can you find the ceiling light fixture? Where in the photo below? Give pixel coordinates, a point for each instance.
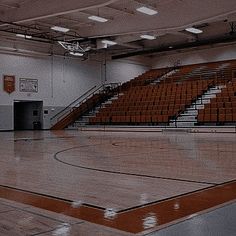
(98, 19)
(24, 36)
(109, 42)
(149, 37)
(60, 29)
(194, 30)
(147, 11)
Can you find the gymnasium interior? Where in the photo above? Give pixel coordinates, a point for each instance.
(118, 117)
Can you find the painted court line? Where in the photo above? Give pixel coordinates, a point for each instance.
(131, 221)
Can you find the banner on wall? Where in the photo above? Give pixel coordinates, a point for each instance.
(28, 85)
(9, 83)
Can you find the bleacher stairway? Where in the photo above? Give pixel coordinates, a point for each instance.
(83, 105)
(165, 76)
(173, 97)
(188, 118)
(84, 119)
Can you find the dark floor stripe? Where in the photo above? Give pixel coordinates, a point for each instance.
(131, 221)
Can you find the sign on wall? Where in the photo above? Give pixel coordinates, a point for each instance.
(9, 83)
(28, 85)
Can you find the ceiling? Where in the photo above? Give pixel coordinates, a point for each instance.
(125, 25)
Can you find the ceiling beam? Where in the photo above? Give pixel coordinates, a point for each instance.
(189, 36)
(124, 11)
(183, 16)
(208, 42)
(41, 9)
(75, 23)
(130, 45)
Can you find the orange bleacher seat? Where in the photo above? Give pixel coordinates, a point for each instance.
(228, 104)
(213, 105)
(207, 111)
(228, 117)
(105, 119)
(148, 119)
(221, 117)
(228, 110)
(165, 118)
(95, 120)
(234, 117)
(157, 103)
(200, 117)
(214, 110)
(207, 117)
(213, 117)
(156, 119)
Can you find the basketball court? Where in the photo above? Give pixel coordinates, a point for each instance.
(118, 117)
(115, 183)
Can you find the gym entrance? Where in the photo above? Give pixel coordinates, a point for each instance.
(28, 115)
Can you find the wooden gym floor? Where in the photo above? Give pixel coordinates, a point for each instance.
(111, 183)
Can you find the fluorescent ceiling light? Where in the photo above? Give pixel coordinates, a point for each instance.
(149, 37)
(109, 42)
(147, 11)
(194, 30)
(98, 18)
(24, 36)
(60, 29)
(76, 54)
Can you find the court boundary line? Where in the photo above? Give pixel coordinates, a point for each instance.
(119, 211)
(55, 156)
(226, 193)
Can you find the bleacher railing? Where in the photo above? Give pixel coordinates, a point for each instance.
(219, 76)
(105, 88)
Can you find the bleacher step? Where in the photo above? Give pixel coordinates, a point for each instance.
(84, 120)
(189, 117)
(185, 124)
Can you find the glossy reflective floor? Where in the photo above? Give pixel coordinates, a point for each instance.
(115, 183)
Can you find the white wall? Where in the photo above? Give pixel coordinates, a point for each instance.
(196, 56)
(124, 70)
(61, 80)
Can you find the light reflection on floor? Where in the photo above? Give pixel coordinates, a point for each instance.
(116, 170)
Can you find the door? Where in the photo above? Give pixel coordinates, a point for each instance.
(28, 115)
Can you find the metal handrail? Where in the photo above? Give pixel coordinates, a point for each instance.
(73, 105)
(201, 74)
(194, 103)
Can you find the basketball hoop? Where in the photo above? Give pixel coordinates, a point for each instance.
(74, 48)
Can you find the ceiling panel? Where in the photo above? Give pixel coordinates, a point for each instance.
(125, 25)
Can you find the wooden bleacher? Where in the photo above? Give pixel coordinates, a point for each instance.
(145, 102)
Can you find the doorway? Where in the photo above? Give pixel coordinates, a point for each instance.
(28, 115)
